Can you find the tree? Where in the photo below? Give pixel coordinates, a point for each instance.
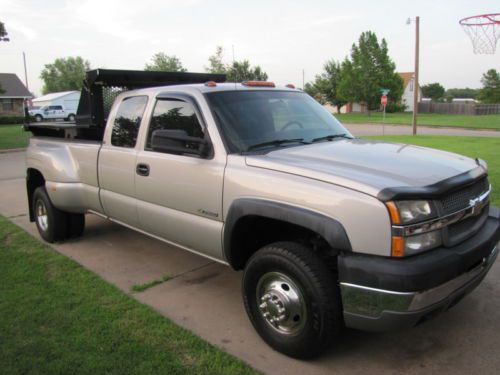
(215, 64)
(369, 70)
(433, 90)
(490, 93)
(240, 71)
(163, 62)
(64, 74)
(327, 84)
(460, 93)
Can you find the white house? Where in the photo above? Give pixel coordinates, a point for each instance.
(68, 99)
(408, 85)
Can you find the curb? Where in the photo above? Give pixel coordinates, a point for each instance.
(9, 150)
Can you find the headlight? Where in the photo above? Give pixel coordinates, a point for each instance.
(415, 211)
(411, 213)
(422, 242)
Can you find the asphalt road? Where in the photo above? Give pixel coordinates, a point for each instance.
(376, 129)
(205, 298)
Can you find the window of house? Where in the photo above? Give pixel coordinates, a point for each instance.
(411, 85)
(174, 115)
(7, 105)
(127, 121)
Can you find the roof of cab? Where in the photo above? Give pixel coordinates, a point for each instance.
(203, 88)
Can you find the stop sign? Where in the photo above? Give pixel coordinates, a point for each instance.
(383, 100)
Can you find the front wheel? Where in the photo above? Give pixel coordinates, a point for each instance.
(71, 117)
(38, 118)
(292, 299)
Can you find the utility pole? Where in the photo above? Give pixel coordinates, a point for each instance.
(415, 82)
(25, 71)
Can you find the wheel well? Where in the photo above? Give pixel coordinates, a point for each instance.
(251, 232)
(34, 179)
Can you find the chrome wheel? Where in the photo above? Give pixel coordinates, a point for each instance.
(41, 215)
(281, 303)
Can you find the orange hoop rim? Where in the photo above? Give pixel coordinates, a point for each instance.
(489, 20)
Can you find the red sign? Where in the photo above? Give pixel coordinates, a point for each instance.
(383, 100)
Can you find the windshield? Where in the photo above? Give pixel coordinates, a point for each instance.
(253, 118)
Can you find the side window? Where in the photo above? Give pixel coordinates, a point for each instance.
(174, 115)
(127, 121)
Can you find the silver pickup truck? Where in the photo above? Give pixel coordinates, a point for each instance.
(330, 230)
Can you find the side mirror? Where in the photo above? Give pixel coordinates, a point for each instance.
(176, 141)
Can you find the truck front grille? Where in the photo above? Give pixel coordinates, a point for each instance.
(460, 199)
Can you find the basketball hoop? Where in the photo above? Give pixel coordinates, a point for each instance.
(484, 32)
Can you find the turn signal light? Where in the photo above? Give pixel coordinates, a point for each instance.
(290, 86)
(394, 212)
(258, 83)
(210, 84)
(398, 246)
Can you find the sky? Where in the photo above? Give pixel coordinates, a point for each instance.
(284, 37)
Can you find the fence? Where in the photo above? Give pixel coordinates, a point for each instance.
(459, 108)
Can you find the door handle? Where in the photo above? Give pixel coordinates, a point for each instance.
(142, 169)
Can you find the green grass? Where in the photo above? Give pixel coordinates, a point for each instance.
(13, 136)
(485, 148)
(431, 119)
(150, 284)
(58, 318)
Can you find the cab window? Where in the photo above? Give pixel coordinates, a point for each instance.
(174, 115)
(127, 121)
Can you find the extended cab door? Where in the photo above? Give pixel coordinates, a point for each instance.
(117, 161)
(180, 195)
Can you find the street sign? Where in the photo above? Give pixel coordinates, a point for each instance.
(383, 100)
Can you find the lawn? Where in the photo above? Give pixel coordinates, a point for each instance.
(58, 318)
(431, 119)
(13, 136)
(487, 149)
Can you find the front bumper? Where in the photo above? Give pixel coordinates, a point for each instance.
(380, 294)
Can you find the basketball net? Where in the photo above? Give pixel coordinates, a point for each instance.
(484, 32)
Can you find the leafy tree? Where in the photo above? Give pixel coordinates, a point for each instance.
(490, 93)
(369, 70)
(64, 74)
(313, 90)
(163, 62)
(435, 91)
(215, 64)
(3, 30)
(460, 93)
(240, 71)
(327, 84)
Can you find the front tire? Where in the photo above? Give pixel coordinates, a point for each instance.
(38, 118)
(71, 117)
(52, 223)
(292, 299)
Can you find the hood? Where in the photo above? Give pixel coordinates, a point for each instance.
(364, 165)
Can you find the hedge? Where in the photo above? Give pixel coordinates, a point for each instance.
(9, 120)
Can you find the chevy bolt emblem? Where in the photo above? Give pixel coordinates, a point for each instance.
(473, 203)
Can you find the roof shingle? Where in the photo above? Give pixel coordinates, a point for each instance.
(12, 87)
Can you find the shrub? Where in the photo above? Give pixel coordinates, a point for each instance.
(393, 107)
(9, 120)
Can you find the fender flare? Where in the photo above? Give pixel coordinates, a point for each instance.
(330, 229)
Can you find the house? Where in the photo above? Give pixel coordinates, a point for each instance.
(406, 98)
(67, 99)
(13, 93)
(408, 87)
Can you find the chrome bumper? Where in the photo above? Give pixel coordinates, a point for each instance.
(380, 310)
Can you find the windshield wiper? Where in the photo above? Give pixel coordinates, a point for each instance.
(330, 137)
(276, 142)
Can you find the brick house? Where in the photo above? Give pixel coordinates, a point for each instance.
(13, 93)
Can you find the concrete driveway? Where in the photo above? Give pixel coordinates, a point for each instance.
(205, 298)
